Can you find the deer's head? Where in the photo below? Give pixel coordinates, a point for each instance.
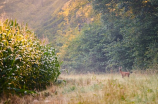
(120, 68)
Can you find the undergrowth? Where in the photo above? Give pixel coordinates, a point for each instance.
(97, 89)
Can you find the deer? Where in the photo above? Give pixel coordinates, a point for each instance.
(124, 73)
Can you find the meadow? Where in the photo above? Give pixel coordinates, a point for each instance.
(139, 88)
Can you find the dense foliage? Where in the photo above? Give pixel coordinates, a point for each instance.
(25, 64)
(86, 52)
(132, 30)
(96, 35)
(126, 36)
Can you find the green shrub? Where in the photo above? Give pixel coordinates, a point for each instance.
(25, 64)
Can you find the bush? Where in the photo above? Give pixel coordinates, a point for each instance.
(25, 64)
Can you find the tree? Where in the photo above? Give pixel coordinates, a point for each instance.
(85, 53)
(131, 28)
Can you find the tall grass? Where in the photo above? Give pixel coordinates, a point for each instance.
(142, 89)
(99, 89)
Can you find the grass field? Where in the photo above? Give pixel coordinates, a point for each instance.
(96, 89)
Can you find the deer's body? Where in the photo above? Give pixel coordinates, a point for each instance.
(124, 73)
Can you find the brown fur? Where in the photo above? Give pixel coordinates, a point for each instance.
(124, 73)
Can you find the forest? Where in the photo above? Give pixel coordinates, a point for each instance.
(40, 39)
(94, 35)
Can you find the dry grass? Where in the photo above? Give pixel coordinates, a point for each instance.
(96, 89)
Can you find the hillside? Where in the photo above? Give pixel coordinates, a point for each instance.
(46, 17)
(33, 12)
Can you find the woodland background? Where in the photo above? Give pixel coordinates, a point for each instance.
(93, 35)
